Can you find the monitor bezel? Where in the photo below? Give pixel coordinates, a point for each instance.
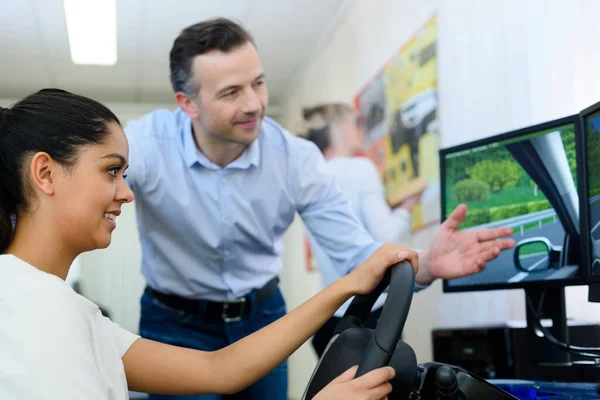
(584, 209)
(571, 119)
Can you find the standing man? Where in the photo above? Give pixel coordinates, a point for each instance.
(217, 184)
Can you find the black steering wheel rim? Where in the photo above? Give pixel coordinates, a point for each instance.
(401, 280)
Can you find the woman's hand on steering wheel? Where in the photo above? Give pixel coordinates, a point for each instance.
(374, 385)
(367, 275)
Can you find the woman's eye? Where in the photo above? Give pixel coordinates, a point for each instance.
(113, 171)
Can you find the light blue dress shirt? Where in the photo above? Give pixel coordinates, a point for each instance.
(215, 233)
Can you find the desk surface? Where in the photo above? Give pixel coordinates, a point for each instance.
(527, 390)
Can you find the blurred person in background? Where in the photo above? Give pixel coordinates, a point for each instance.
(336, 130)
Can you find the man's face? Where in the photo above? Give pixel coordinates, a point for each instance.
(232, 97)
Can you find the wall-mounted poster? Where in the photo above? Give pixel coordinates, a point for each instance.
(399, 108)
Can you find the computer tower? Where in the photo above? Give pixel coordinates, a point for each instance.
(486, 351)
(501, 352)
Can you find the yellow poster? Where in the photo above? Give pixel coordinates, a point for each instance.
(399, 109)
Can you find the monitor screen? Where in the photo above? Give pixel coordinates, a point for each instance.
(591, 151)
(526, 180)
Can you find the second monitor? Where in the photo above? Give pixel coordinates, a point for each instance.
(527, 180)
(589, 147)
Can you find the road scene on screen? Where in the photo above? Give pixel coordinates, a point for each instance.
(592, 132)
(509, 183)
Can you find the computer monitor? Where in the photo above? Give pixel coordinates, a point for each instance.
(589, 148)
(527, 180)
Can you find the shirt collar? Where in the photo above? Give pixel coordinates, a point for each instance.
(192, 155)
(250, 156)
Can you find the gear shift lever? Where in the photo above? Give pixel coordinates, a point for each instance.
(446, 384)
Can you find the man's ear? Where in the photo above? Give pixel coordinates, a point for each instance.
(187, 105)
(42, 173)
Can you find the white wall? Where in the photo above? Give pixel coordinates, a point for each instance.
(502, 65)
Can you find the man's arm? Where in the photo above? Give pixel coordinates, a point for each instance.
(328, 215)
(154, 367)
(326, 211)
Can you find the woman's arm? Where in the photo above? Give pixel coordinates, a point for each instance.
(159, 368)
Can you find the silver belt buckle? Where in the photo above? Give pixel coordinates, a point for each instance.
(226, 318)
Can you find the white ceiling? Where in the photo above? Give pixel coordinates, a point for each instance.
(34, 48)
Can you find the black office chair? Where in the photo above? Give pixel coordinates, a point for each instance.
(352, 344)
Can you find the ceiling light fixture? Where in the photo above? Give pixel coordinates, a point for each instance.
(92, 29)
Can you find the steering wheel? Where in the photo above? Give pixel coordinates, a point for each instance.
(352, 344)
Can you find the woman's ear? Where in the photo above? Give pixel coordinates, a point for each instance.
(42, 173)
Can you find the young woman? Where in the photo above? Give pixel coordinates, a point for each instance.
(62, 185)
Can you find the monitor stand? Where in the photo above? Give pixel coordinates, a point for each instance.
(548, 362)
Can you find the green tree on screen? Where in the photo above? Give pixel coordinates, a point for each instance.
(498, 174)
(568, 139)
(593, 158)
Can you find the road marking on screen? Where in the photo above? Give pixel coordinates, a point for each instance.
(595, 227)
(522, 275)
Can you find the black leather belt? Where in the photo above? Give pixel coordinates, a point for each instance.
(228, 311)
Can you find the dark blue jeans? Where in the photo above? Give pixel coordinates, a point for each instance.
(165, 324)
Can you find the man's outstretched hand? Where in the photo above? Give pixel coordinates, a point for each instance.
(454, 253)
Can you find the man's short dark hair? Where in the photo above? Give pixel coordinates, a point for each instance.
(215, 34)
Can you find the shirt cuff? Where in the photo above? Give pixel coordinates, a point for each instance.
(418, 286)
